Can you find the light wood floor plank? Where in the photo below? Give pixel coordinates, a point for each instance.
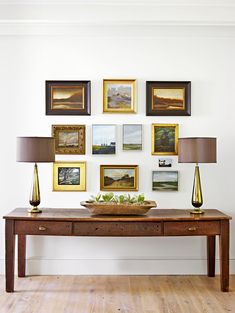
(117, 294)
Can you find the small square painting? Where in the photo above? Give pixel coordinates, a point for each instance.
(119, 96)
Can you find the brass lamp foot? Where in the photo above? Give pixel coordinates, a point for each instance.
(197, 211)
(34, 210)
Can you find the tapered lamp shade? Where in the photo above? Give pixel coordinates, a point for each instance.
(197, 150)
(35, 149)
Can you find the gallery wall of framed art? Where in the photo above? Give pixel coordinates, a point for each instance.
(95, 58)
(119, 97)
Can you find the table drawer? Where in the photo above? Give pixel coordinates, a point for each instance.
(43, 228)
(117, 229)
(191, 228)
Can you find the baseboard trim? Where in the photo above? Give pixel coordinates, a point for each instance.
(39, 266)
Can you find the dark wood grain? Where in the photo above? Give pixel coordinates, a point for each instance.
(211, 256)
(21, 255)
(43, 228)
(129, 229)
(10, 255)
(192, 228)
(224, 256)
(83, 215)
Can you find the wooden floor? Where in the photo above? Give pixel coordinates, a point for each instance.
(121, 294)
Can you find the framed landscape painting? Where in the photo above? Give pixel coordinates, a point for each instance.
(103, 139)
(168, 98)
(165, 181)
(165, 139)
(119, 177)
(68, 97)
(69, 139)
(69, 176)
(132, 137)
(119, 95)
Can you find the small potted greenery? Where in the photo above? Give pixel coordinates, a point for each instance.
(110, 204)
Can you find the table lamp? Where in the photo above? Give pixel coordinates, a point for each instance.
(35, 149)
(197, 150)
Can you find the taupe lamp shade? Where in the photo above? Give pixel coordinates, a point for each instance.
(197, 150)
(35, 149)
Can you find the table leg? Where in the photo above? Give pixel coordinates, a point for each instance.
(224, 255)
(21, 255)
(10, 255)
(211, 256)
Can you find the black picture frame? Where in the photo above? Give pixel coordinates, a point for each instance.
(185, 102)
(83, 87)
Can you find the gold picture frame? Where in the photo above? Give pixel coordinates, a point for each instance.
(119, 95)
(119, 177)
(65, 179)
(165, 139)
(69, 139)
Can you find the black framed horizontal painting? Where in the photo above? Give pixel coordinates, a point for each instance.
(168, 98)
(68, 97)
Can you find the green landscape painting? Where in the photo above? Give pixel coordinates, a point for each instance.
(119, 178)
(132, 137)
(165, 180)
(164, 139)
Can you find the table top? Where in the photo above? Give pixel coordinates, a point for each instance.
(64, 214)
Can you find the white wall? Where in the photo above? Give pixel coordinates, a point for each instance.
(203, 55)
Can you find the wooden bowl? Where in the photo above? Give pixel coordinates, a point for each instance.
(103, 208)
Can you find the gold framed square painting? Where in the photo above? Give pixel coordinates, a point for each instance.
(69, 176)
(165, 139)
(69, 139)
(119, 96)
(119, 177)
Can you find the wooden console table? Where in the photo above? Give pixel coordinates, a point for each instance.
(78, 222)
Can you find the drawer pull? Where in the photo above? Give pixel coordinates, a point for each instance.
(192, 228)
(42, 228)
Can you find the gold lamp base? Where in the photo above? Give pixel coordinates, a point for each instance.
(35, 193)
(197, 199)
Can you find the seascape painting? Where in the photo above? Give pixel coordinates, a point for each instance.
(67, 97)
(132, 137)
(103, 139)
(68, 176)
(168, 99)
(165, 181)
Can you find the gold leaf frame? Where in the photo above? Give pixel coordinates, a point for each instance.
(131, 82)
(80, 187)
(80, 129)
(175, 152)
(136, 177)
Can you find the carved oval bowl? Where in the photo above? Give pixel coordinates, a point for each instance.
(103, 208)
